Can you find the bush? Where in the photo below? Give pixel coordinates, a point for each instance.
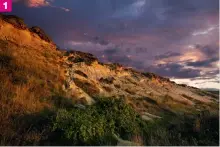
(97, 124)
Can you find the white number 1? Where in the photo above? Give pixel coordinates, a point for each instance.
(6, 5)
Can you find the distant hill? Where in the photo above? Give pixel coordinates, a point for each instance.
(210, 89)
(213, 91)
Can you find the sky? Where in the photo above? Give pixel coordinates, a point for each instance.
(178, 39)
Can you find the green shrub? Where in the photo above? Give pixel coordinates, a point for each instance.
(181, 130)
(97, 124)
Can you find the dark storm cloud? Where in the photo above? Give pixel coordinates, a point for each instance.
(97, 15)
(136, 50)
(174, 70)
(209, 50)
(140, 50)
(186, 7)
(111, 51)
(126, 61)
(115, 55)
(204, 63)
(210, 75)
(214, 73)
(167, 55)
(99, 40)
(123, 59)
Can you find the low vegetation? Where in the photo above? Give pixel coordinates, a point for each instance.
(108, 122)
(100, 123)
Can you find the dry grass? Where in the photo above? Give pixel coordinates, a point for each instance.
(29, 76)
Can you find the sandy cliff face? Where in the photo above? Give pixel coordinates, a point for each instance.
(147, 92)
(86, 79)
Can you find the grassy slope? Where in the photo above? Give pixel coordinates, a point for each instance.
(30, 75)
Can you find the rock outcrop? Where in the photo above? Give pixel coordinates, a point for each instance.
(146, 92)
(15, 21)
(40, 33)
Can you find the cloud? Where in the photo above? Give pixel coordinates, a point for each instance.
(112, 51)
(100, 40)
(192, 55)
(208, 50)
(40, 3)
(200, 83)
(132, 11)
(207, 56)
(118, 58)
(86, 45)
(174, 70)
(35, 3)
(209, 80)
(167, 55)
(205, 82)
(203, 63)
(62, 8)
(195, 65)
(204, 32)
(214, 73)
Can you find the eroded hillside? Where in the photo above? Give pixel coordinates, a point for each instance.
(87, 78)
